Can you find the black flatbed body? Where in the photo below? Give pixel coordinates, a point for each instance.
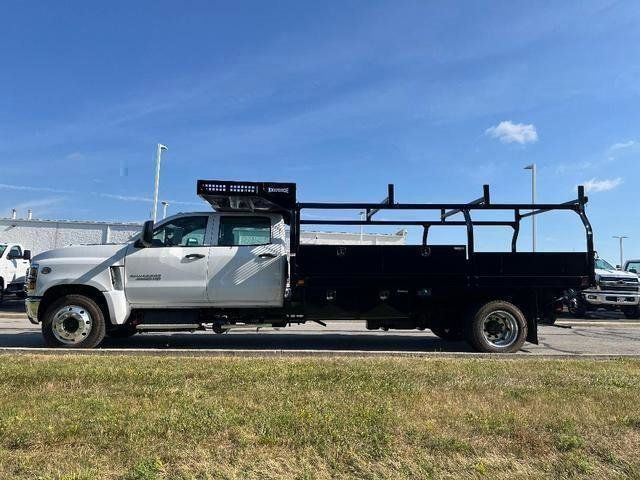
(413, 286)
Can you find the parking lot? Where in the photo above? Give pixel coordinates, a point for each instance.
(599, 334)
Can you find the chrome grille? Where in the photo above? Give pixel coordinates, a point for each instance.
(619, 284)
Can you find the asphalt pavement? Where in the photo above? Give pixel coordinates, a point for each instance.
(604, 333)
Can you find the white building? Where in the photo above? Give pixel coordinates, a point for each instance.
(41, 235)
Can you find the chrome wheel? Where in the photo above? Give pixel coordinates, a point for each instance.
(500, 328)
(71, 324)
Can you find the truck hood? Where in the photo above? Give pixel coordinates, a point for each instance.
(615, 273)
(89, 254)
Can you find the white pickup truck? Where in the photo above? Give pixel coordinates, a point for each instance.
(14, 262)
(614, 290)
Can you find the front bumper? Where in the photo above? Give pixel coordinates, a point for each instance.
(616, 299)
(32, 304)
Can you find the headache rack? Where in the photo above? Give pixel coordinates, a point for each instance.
(281, 198)
(229, 196)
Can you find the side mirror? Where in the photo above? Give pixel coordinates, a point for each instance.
(26, 255)
(146, 238)
(618, 267)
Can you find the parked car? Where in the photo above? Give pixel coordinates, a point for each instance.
(614, 290)
(14, 263)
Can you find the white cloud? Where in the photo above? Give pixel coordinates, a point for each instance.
(29, 188)
(509, 132)
(623, 145)
(75, 156)
(595, 185)
(124, 198)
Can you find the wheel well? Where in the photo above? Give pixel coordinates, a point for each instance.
(58, 291)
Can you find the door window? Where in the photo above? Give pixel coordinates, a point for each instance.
(633, 266)
(181, 232)
(238, 231)
(15, 252)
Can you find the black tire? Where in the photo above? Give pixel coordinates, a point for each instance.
(576, 308)
(121, 331)
(449, 334)
(84, 304)
(491, 322)
(632, 313)
(1, 291)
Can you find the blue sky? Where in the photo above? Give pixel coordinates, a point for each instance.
(341, 97)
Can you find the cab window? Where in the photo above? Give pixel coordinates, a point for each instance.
(633, 266)
(239, 231)
(181, 232)
(15, 252)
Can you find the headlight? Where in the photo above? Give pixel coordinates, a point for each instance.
(32, 275)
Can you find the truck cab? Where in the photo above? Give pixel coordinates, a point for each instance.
(202, 262)
(14, 262)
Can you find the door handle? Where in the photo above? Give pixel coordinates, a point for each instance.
(267, 255)
(194, 256)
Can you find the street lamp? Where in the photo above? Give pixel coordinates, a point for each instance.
(159, 150)
(620, 238)
(532, 167)
(165, 204)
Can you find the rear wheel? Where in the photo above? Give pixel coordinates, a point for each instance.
(497, 327)
(73, 321)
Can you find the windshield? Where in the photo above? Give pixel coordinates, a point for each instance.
(2, 249)
(603, 265)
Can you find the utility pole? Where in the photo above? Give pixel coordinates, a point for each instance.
(532, 167)
(620, 238)
(159, 150)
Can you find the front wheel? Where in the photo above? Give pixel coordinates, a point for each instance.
(497, 327)
(73, 321)
(632, 313)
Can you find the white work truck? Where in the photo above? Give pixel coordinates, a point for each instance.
(614, 290)
(239, 265)
(14, 262)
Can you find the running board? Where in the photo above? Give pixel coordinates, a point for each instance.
(169, 326)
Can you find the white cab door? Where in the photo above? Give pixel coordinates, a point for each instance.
(172, 272)
(247, 266)
(16, 265)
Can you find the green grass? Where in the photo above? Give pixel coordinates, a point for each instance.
(144, 417)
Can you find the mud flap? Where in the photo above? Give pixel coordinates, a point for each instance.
(532, 330)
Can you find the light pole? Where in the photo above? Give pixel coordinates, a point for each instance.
(620, 238)
(165, 204)
(532, 167)
(159, 150)
(362, 214)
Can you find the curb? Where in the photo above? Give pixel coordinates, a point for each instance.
(279, 353)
